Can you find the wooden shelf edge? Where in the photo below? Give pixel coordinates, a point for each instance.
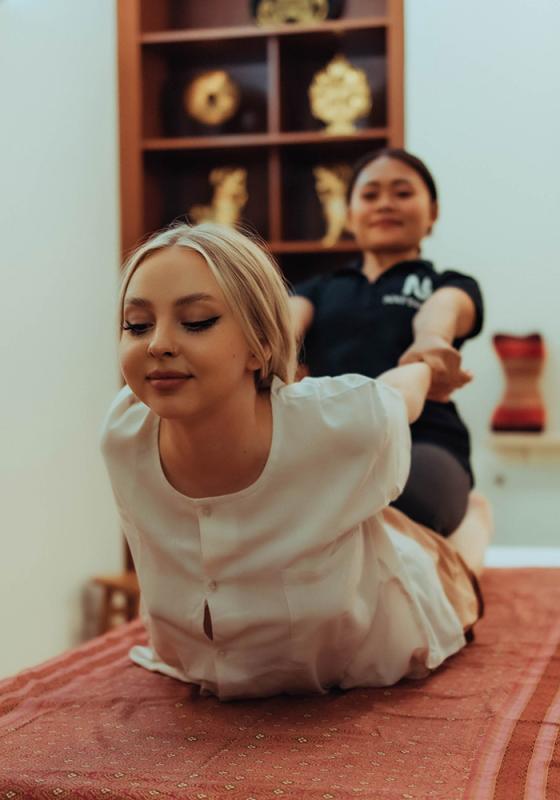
(260, 139)
(312, 247)
(525, 442)
(252, 32)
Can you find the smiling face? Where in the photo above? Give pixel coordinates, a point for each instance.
(390, 208)
(182, 352)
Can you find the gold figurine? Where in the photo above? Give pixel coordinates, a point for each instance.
(331, 184)
(228, 200)
(339, 94)
(212, 98)
(300, 12)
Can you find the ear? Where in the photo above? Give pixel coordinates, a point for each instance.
(254, 362)
(434, 214)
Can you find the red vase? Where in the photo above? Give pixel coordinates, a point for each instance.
(521, 408)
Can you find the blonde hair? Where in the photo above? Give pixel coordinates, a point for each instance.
(252, 284)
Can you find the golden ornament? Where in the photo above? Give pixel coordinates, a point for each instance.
(300, 12)
(339, 94)
(331, 184)
(212, 98)
(228, 199)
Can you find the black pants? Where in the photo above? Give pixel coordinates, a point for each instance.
(437, 490)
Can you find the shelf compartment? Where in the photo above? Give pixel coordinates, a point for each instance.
(217, 15)
(301, 209)
(157, 15)
(167, 71)
(365, 49)
(174, 182)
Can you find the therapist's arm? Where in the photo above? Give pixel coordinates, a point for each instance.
(448, 314)
(302, 311)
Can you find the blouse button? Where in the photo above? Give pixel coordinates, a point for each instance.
(212, 585)
(221, 653)
(205, 511)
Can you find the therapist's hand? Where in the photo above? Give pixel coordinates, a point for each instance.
(444, 361)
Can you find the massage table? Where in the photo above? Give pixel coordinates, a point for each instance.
(91, 724)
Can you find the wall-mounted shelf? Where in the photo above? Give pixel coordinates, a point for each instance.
(216, 34)
(526, 443)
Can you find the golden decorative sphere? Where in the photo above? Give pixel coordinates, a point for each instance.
(212, 98)
(339, 94)
(278, 12)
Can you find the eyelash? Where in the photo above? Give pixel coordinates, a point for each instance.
(374, 196)
(137, 329)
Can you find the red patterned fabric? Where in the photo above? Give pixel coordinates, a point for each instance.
(90, 724)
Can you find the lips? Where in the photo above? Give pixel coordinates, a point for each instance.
(167, 381)
(167, 375)
(386, 222)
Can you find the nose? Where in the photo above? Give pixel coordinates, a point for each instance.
(384, 201)
(162, 342)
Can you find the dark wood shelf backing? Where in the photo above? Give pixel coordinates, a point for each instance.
(167, 73)
(262, 139)
(365, 49)
(302, 212)
(334, 26)
(177, 181)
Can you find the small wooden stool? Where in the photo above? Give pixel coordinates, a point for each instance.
(121, 599)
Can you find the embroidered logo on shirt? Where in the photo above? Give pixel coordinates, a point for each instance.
(414, 292)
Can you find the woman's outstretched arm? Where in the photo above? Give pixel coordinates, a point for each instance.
(448, 314)
(413, 382)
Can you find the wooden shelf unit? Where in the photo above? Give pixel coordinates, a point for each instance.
(166, 156)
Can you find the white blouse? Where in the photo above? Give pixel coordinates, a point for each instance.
(306, 586)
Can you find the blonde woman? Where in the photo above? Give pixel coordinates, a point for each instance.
(255, 507)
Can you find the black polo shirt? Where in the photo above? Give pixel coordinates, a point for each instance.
(365, 327)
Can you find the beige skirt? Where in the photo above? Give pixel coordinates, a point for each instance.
(459, 583)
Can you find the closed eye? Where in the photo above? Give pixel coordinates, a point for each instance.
(136, 329)
(200, 325)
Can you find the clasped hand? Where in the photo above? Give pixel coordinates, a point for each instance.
(444, 361)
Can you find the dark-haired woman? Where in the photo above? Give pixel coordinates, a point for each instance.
(392, 307)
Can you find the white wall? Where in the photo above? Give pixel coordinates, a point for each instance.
(482, 108)
(58, 266)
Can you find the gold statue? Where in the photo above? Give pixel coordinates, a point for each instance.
(340, 94)
(331, 184)
(212, 98)
(229, 197)
(301, 12)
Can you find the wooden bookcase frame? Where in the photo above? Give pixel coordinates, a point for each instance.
(152, 31)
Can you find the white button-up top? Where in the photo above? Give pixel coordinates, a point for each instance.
(305, 585)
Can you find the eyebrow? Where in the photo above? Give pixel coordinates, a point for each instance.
(394, 182)
(187, 300)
